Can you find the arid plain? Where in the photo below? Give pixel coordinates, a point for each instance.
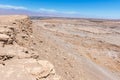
(80, 49)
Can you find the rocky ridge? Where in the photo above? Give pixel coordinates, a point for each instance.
(18, 60)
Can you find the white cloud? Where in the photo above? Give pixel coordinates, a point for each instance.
(56, 11)
(11, 7)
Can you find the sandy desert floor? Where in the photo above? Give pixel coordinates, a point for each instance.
(80, 49)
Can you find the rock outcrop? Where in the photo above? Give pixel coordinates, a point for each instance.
(28, 69)
(18, 61)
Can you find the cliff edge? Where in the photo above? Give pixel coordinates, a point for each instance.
(18, 60)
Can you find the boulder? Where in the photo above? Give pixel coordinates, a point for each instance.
(4, 37)
(27, 69)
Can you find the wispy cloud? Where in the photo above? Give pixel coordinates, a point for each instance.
(56, 11)
(11, 7)
(39, 11)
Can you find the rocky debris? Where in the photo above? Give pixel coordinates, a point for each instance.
(7, 35)
(28, 69)
(17, 60)
(5, 57)
(18, 29)
(18, 52)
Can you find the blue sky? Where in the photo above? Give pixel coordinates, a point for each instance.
(88, 8)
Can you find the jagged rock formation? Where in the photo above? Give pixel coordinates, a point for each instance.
(18, 60)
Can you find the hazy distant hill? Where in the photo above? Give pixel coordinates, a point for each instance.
(25, 12)
(33, 13)
(15, 11)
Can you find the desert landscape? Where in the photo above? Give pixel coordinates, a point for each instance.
(59, 48)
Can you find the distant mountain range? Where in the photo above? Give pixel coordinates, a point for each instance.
(32, 13)
(26, 12)
(21, 12)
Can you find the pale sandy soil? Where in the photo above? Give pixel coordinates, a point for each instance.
(80, 49)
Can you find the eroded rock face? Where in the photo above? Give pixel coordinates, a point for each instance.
(17, 60)
(16, 28)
